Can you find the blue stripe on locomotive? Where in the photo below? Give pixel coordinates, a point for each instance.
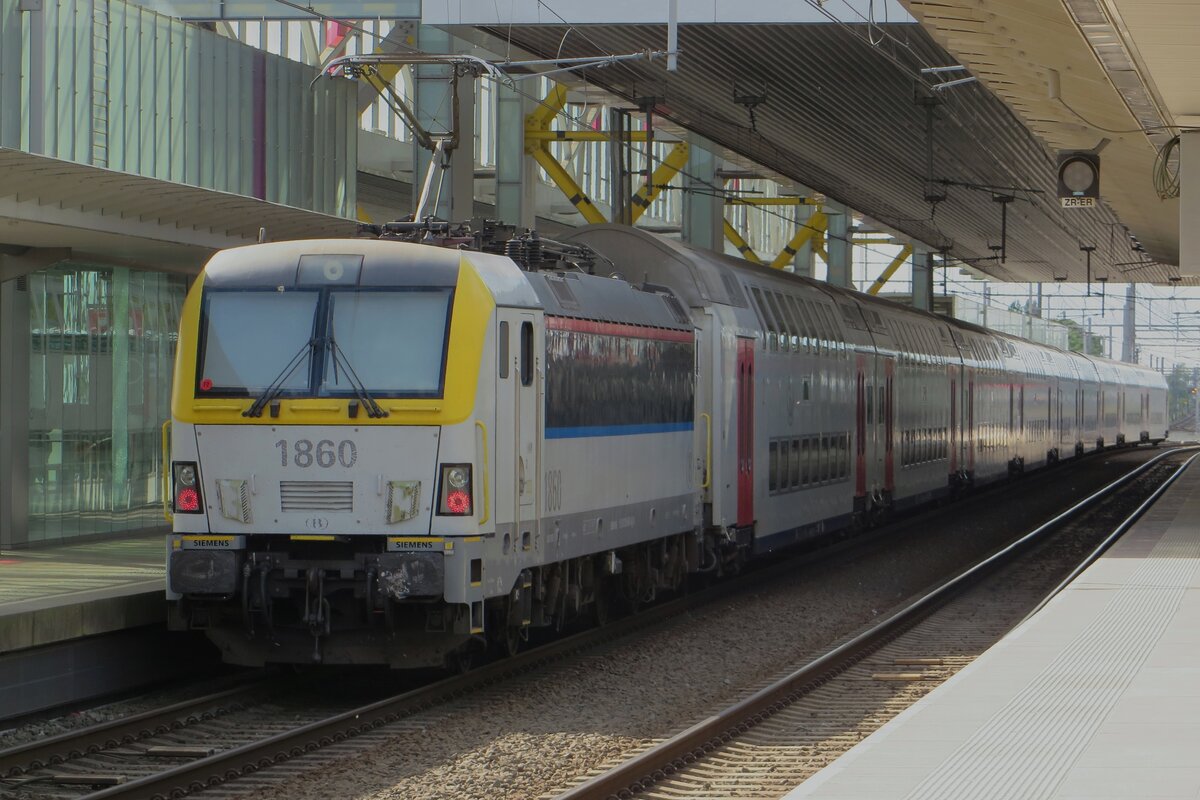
(585, 431)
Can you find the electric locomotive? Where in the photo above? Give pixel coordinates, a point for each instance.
(393, 452)
(369, 435)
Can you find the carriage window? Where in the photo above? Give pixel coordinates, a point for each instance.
(502, 347)
(785, 469)
(780, 323)
(806, 470)
(773, 472)
(771, 328)
(526, 353)
(795, 462)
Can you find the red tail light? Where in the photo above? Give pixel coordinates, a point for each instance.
(458, 502)
(187, 500)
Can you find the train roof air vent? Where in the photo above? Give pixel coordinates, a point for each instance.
(736, 296)
(562, 292)
(676, 308)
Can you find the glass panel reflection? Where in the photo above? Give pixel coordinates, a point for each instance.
(102, 343)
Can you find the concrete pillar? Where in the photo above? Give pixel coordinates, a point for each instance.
(703, 209)
(14, 413)
(802, 262)
(1189, 202)
(37, 79)
(837, 245)
(120, 325)
(515, 171)
(1129, 326)
(434, 111)
(922, 278)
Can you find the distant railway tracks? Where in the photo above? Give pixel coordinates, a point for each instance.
(771, 740)
(235, 740)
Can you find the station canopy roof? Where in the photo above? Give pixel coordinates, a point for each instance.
(53, 210)
(842, 112)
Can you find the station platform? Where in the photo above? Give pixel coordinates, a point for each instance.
(1096, 696)
(70, 591)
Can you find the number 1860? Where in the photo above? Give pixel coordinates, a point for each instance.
(304, 453)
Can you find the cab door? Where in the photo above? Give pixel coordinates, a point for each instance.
(518, 384)
(528, 391)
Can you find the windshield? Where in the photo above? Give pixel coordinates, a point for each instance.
(250, 337)
(393, 341)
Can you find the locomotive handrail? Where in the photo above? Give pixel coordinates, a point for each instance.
(707, 452)
(166, 474)
(487, 502)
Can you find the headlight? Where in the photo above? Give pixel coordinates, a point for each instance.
(187, 475)
(457, 477)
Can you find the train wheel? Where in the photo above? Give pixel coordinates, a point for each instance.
(504, 635)
(602, 606)
(460, 660)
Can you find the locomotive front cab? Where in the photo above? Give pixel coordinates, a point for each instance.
(324, 452)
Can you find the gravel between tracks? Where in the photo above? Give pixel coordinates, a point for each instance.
(538, 733)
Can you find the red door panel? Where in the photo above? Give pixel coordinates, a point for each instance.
(745, 432)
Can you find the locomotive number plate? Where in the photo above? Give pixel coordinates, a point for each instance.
(323, 454)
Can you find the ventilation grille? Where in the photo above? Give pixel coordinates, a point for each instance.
(562, 293)
(316, 495)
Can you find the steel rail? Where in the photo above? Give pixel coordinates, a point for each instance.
(1117, 533)
(231, 764)
(39, 753)
(641, 772)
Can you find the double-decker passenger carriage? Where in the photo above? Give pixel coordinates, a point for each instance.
(399, 453)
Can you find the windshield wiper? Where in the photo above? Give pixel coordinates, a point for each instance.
(276, 386)
(360, 390)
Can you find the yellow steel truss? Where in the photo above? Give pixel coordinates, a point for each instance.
(743, 247)
(900, 258)
(812, 229)
(807, 230)
(538, 136)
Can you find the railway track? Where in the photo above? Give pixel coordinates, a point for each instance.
(779, 734)
(222, 744)
(228, 736)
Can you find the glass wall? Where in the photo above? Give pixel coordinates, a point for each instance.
(101, 350)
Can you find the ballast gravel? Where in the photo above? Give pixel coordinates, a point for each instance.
(541, 733)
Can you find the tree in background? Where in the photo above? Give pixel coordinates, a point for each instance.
(1180, 400)
(1076, 335)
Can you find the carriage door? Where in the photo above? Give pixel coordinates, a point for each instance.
(887, 405)
(527, 385)
(970, 421)
(860, 427)
(745, 432)
(953, 372)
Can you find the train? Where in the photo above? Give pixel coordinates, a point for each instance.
(416, 446)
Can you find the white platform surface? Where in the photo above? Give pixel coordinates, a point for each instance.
(1096, 697)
